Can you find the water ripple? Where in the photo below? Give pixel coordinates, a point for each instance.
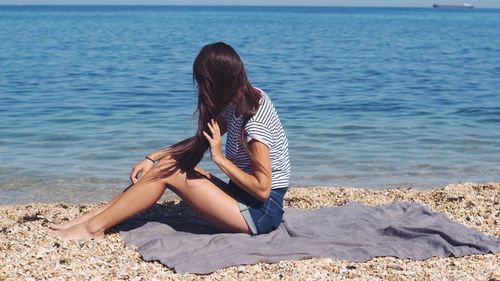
(368, 97)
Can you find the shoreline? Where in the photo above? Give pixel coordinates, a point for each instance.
(28, 252)
(25, 192)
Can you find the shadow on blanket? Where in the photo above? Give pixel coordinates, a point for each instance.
(176, 215)
(354, 232)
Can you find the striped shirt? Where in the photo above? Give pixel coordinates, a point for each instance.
(264, 126)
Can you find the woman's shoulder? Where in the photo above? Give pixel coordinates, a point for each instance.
(266, 111)
(265, 96)
(265, 100)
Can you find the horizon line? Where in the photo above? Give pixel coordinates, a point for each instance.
(232, 5)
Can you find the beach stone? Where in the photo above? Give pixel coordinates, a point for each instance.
(28, 253)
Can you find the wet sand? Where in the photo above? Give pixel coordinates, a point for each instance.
(27, 251)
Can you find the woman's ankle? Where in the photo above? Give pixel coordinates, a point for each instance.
(93, 229)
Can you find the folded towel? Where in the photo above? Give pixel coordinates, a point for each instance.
(353, 232)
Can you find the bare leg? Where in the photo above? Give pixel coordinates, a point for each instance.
(88, 215)
(84, 217)
(203, 195)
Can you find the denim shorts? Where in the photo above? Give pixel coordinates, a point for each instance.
(261, 217)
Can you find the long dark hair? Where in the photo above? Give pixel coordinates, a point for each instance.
(220, 78)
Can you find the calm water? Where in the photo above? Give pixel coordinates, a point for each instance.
(368, 97)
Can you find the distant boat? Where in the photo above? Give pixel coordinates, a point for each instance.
(463, 6)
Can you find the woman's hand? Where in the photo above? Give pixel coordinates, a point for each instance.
(214, 140)
(141, 167)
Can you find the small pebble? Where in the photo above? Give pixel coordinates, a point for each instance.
(27, 252)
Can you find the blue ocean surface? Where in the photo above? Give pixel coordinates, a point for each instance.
(368, 97)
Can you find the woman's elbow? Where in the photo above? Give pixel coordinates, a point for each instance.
(264, 192)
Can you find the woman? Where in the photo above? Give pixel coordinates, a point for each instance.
(256, 159)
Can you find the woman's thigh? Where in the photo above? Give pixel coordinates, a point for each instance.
(206, 196)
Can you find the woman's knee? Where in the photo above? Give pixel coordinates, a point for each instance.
(162, 170)
(202, 172)
(167, 171)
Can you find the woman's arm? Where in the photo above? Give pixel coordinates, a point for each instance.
(258, 183)
(159, 153)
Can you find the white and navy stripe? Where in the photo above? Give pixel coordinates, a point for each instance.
(264, 126)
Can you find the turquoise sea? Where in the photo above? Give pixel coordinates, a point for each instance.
(369, 97)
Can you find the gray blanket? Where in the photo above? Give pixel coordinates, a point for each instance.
(353, 232)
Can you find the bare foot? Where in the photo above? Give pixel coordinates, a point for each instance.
(76, 232)
(66, 224)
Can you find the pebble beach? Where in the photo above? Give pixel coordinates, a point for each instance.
(375, 107)
(29, 253)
